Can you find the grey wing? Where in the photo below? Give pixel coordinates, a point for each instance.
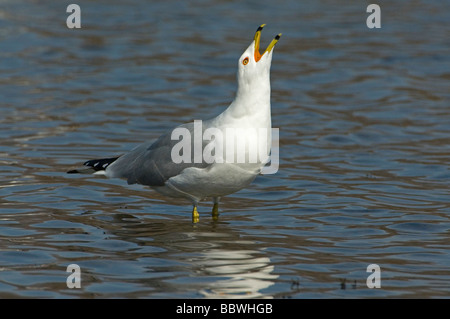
(151, 163)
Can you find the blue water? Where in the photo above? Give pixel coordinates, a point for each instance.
(364, 150)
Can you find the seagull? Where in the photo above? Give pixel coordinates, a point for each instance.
(211, 158)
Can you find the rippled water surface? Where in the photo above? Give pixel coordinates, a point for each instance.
(364, 150)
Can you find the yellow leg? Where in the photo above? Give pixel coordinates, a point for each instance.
(195, 215)
(215, 212)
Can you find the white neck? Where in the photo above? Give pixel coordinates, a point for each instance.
(252, 99)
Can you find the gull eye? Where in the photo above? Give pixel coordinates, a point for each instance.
(245, 61)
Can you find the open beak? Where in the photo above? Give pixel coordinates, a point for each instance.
(257, 40)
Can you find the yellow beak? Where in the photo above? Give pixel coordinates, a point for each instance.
(257, 41)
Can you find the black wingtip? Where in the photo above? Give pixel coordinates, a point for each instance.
(94, 166)
(100, 164)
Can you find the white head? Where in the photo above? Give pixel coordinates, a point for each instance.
(254, 67)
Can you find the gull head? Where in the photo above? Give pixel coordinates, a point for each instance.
(254, 66)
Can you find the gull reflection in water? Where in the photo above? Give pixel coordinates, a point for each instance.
(213, 265)
(241, 274)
